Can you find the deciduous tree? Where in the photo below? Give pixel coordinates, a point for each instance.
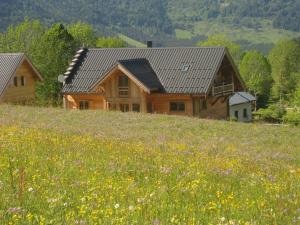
(285, 60)
(256, 72)
(110, 42)
(221, 40)
(52, 55)
(84, 34)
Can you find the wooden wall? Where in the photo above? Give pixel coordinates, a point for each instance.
(161, 103)
(217, 108)
(136, 94)
(95, 101)
(22, 93)
(110, 96)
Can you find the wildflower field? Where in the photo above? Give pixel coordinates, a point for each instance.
(93, 167)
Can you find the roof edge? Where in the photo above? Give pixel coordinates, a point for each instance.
(181, 47)
(13, 73)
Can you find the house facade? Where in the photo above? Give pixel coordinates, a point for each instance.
(241, 106)
(18, 78)
(177, 81)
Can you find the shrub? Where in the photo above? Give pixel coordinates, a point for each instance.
(274, 114)
(292, 118)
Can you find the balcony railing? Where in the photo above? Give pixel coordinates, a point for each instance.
(223, 89)
(123, 92)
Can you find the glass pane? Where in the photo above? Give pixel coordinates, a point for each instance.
(124, 107)
(204, 104)
(23, 81)
(16, 82)
(136, 107)
(245, 113)
(181, 107)
(83, 105)
(173, 106)
(236, 114)
(123, 81)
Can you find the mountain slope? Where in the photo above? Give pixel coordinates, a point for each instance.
(162, 19)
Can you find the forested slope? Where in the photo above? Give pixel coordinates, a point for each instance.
(262, 20)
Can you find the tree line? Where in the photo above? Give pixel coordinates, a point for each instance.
(51, 49)
(274, 79)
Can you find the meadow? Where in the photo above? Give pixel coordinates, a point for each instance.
(94, 167)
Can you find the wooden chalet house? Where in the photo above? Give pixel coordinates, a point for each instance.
(18, 78)
(196, 81)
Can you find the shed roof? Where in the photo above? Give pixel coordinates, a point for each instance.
(240, 98)
(9, 63)
(178, 70)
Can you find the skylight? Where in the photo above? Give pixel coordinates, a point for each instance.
(185, 68)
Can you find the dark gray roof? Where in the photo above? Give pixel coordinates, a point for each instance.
(8, 65)
(179, 70)
(240, 98)
(143, 71)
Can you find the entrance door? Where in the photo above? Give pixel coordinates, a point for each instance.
(197, 107)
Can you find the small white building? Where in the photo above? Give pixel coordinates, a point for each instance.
(241, 106)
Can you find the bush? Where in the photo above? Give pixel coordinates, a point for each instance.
(292, 118)
(273, 114)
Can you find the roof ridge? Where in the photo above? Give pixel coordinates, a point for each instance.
(133, 59)
(17, 53)
(243, 96)
(163, 48)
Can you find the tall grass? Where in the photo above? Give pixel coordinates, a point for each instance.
(71, 167)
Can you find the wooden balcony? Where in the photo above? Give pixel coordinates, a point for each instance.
(123, 92)
(225, 89)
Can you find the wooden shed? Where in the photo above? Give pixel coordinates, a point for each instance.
(18, 78)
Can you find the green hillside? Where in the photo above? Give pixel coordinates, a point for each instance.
(94, 167)
(257, 24)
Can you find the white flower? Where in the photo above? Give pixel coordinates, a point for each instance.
(131, 208)
(223, 219)
(117, 205)
(140, 200)
(52, 200)
(30, 189)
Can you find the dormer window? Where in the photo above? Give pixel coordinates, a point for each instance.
(123, 86)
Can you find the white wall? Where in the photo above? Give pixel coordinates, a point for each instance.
(240, 108)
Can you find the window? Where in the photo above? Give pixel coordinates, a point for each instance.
(83, 105)
(185, 68)
(136, 107)
(16, 81)
(124, 107)
(203, 104)
(236, 114)
(23, 81)
(112, 106)
(177, 107)
(149, 107)
(245, 113)
(123, 86)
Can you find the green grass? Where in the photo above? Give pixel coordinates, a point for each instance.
(183, 34)
(94, 167)
(264, 35)
(132, 42)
